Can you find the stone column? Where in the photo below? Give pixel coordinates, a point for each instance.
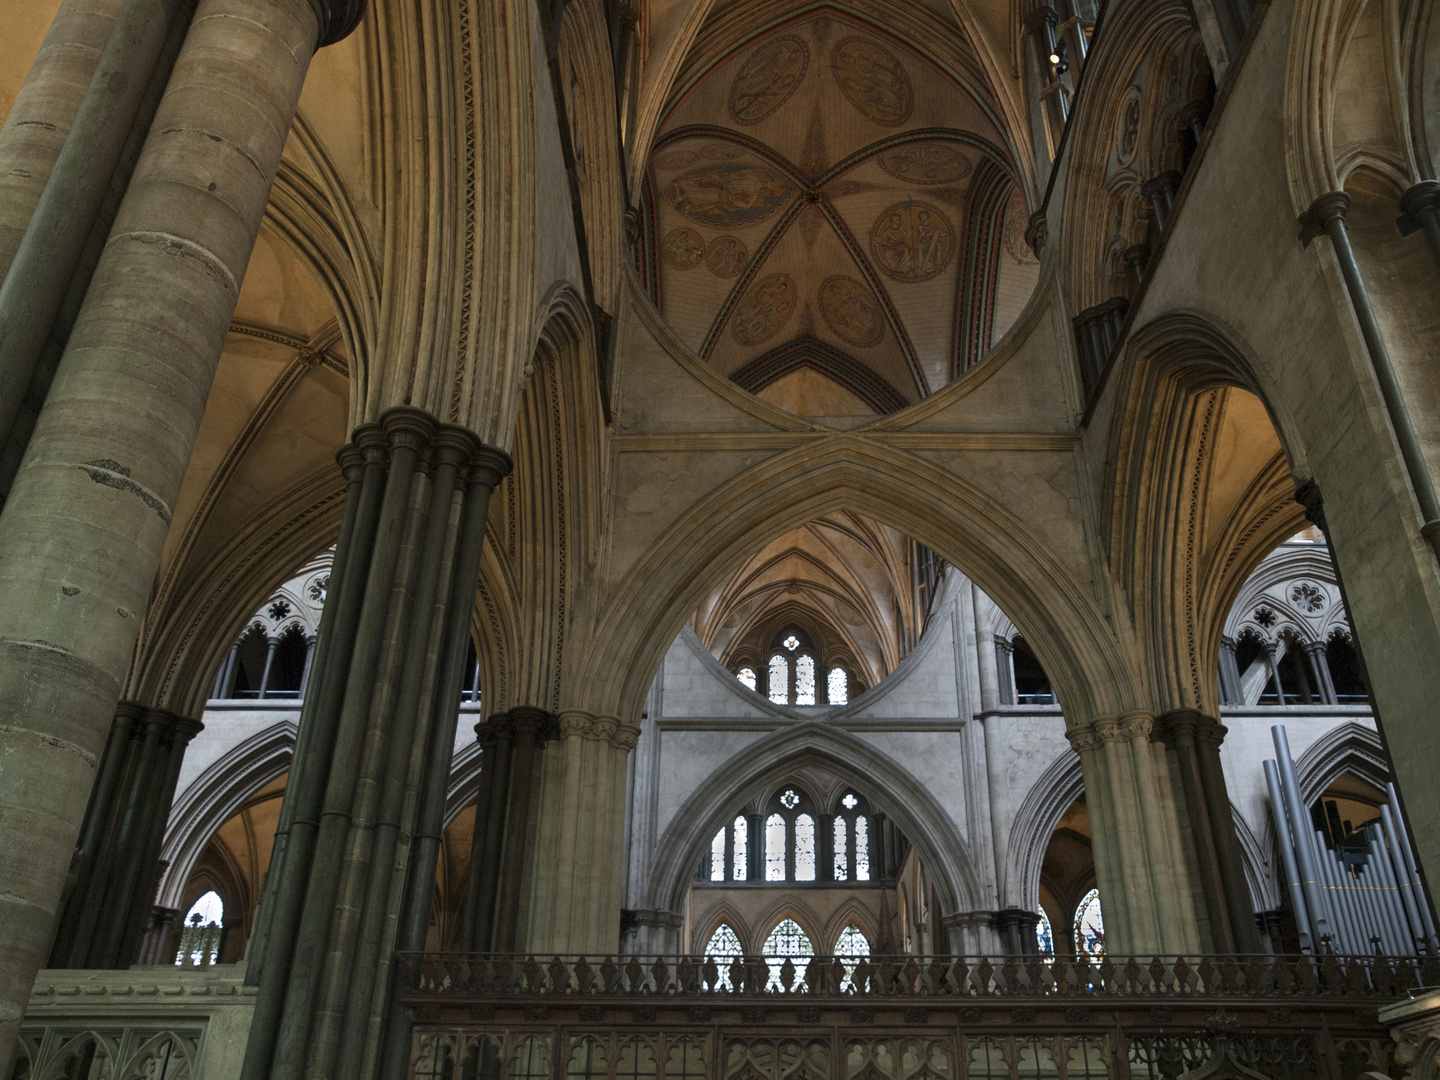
(115, 868)
(1209, 733)
(1230, 690)
(1160, 192)
(1327, 215)
(386, 691)
(1271, 648)
(1137, 258)
(1194, 117)
(579, 857)
(972, 933)
(1005, 670)
(271, 644)
(225, 678)
(512, 743)
(1319, 663)
(1177, 730)
(1139, 861)
(1420, 209)
(654, 932)
(44, 109)
(85, 521)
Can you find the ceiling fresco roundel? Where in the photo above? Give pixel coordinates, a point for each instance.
(851, 310)
(912, 241)
(769, 76)
(765, 309)
(728, 194)
(873, 81)
(818, 195)
(726, 256)
(683, 248)
(926, 162)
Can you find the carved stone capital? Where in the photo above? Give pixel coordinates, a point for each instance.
(1332, 206)
(1037, 232)
(1193, 725)
(1106, 729)
(489, 465)
(1423, 196)
(337, 18)
(656, 917)
(593, 728)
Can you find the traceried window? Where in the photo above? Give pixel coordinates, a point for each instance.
(787, 939)
(796, 676)
(200, 940)
(797, 841)
(775, 848)
(1090, 926)
(779, 685)
(851, 945)
(746, 675)
(1045, 935)
(804, 848)
(724, 946)
(805, 680)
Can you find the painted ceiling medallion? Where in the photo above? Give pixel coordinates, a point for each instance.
(726, 256)
(728, 195)
(872, 80)
(929, 162)
(912, 241)
(769, 76)
(683, 248)
(851, 310)
(765, 309)
(677, 159)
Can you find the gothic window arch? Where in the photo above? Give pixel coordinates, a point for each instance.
(1089, 926)
(1032, 685)
(795, 842)
(1345, 670)
(787, 940)
(200, 939)
(1045, 935)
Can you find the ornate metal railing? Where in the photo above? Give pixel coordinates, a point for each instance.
(485, 1017)
(447, 974)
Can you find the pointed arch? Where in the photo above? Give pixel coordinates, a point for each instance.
(1040, 812)
(762, 765)
(215, 796)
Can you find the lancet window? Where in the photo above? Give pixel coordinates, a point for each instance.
(200, 939)
(787, 939)
(795, 675)
(793, 841)
(1090, 926)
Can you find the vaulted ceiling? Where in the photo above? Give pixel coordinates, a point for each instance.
(845, 581)
(834, 220)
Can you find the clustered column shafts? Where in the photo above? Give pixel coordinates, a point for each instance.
(511, 743)
(1139, 861)
(385, 698)
(113, 874)
(1420, 209)
(86, 520)
(44, 264)
(1196, 738)
(39, 121)
(1327, 215)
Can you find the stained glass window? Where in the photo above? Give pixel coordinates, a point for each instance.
(742, 849)
(851, 943)
(839, 686)
(724, 946)
(792, 643)
(804, 848)
(1090, 926)
(805, 680)
(717, 857)
(790, 799)
(1044, 936)
(200, 940)
(862, 849)
(774, 848)
(841, 869)
(787, 939)
(747, 676)
(779, 685)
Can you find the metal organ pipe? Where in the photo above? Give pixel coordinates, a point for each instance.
(1412, 872)
(1287, 859)
(1306, 856)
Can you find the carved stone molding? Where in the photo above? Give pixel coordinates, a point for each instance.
(1104, 729)
(610, 729)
